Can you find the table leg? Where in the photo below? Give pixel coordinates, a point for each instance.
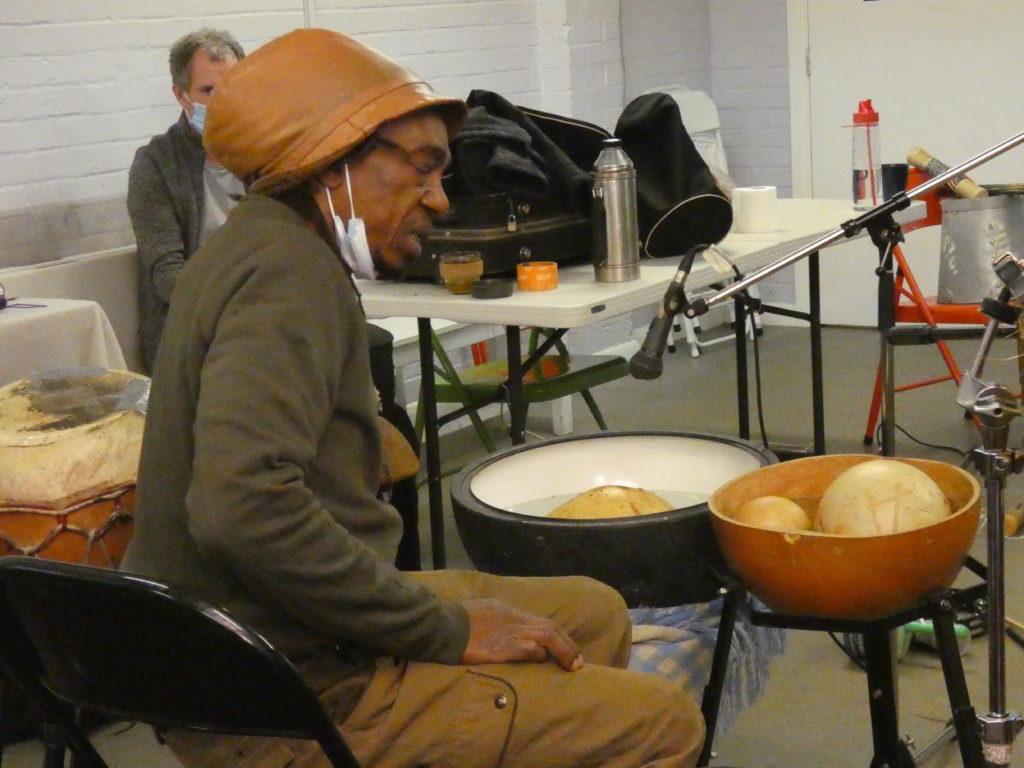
(887, 443)
(516, 405)
(5, 715)
(813, 318)
(432, 443)
(742, 386)
(817, 376)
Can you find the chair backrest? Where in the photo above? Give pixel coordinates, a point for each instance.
(700, 116)
(137, 649)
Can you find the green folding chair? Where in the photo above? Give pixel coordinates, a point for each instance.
(552, 377)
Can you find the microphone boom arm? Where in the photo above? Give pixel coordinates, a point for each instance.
(850, 228)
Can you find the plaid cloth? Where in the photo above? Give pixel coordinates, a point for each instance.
(679, 643)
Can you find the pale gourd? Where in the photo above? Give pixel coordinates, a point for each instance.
(608, 501)
(881, 497)
(773, 512)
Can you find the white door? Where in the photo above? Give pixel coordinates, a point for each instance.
(946, 75)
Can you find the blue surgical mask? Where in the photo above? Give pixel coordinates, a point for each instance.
(352, 242)
(198, 118)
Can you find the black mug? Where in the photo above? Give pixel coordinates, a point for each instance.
(894, 178)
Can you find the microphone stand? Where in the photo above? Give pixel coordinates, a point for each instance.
(850, 228)
(993, 406)
(885, 233)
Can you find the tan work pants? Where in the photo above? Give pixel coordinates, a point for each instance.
(516, 715)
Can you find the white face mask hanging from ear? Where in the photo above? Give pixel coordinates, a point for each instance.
(352, 242)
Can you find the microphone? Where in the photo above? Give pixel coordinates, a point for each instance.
(646, 363)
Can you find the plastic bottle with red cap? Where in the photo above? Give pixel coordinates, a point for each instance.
(867, 154)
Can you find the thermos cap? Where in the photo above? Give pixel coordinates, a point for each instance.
(612, 159)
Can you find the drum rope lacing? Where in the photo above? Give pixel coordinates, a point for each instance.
(119, 513)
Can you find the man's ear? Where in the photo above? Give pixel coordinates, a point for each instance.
(333, 177)
(326, 184)
(179, 95)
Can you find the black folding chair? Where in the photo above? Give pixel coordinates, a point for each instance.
(75, 636)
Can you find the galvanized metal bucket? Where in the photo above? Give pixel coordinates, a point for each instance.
(973, 233)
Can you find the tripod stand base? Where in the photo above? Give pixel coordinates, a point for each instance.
(889, 748)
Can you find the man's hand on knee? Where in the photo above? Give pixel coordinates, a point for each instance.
(498, 632)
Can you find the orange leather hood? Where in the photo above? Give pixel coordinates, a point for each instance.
(303, 100)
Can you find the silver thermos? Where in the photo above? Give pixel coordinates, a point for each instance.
(615, 247)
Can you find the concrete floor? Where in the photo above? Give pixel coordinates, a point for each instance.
(814, 711)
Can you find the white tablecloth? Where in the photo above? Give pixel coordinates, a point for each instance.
(38, 335)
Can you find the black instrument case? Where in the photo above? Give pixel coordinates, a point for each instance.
(511, 227)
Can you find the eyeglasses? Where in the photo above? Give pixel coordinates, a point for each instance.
(426, 162)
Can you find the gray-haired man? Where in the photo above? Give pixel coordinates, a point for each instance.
(177, 193)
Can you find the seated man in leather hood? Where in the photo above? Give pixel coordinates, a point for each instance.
(258, 481)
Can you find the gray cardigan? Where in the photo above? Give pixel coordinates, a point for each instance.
(165, 203)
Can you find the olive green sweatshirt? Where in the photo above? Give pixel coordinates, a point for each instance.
(260, 458)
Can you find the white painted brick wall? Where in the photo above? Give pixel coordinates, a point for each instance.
(553, 56)
(750, 85)
(668, 44)
(86, 83)
(734, 50)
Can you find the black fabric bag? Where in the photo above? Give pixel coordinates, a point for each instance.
(679, 202)
(519, 189)
(513, 150)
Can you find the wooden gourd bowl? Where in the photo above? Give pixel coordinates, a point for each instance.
(846, 577)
